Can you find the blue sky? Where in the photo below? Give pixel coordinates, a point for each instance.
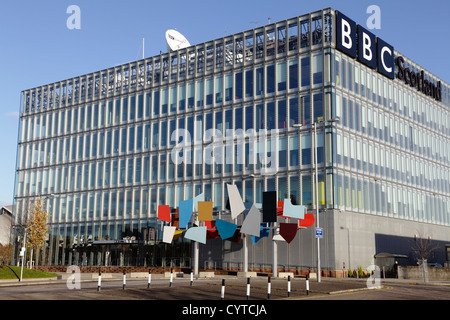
(37, 48)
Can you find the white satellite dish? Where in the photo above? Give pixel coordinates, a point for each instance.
(176, 41)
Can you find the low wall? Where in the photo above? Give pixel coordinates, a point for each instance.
(160, 270)
(85, 269)
(434, 274)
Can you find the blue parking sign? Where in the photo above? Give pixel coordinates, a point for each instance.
(319, 232)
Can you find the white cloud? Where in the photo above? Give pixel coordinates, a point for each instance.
(14, 114)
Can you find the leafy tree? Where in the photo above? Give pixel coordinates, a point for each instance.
(37, 226)
(5, 254)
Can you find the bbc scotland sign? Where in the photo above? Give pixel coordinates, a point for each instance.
(359, 43)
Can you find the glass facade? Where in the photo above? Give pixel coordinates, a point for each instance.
(99, 147)
(392, 146)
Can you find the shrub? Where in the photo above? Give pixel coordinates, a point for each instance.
(360, 272)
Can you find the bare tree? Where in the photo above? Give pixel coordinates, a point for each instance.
(423, 247)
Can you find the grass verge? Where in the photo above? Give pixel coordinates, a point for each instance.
(12, 272)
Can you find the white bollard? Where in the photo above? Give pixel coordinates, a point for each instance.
(307, 285)
(149, 279)
(248, 288)
(222, 291)
(289, 286)
(99, 284)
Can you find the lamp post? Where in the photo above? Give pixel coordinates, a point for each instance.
(245, 242)
(316, 182)
(23, 252)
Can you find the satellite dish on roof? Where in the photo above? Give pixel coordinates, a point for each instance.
(176, 41)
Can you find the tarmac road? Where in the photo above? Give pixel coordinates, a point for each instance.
(235, 289)
(160, 289)
(393, 291)
(203, 298)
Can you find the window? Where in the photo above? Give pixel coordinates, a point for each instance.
(123, 140)
(306, 149)
(305, 63)
(318, 107)
(282, 156)
(124, 109)
(249, 83)
(270, 84)
(259, 117)
(317, 68)
(238, 88)
(190, 95)
(248, 117)
(293, 112)
(140, 112)
(281, 76)
(270, 116)
(163, 134)
(306, 190)
(293, 74)
(155, 135)
(306, 107)
(155, 103)
(238, 119)
(282, 116)
(131, 139)
(209, 92)
(218, 89)
(320, 148)
(259, 81)
(182, 97)
(293, 151)
(228, 88)
(164, 100)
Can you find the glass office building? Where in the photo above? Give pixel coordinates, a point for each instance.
(98, 149)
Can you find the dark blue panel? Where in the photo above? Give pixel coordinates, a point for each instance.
(346, 35)
(385, 59)
(367, 48)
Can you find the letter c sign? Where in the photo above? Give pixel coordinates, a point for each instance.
(385, 59)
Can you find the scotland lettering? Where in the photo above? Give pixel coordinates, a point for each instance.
(359, 43)
(417, 80)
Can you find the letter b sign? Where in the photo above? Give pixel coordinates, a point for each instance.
(346, 35)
